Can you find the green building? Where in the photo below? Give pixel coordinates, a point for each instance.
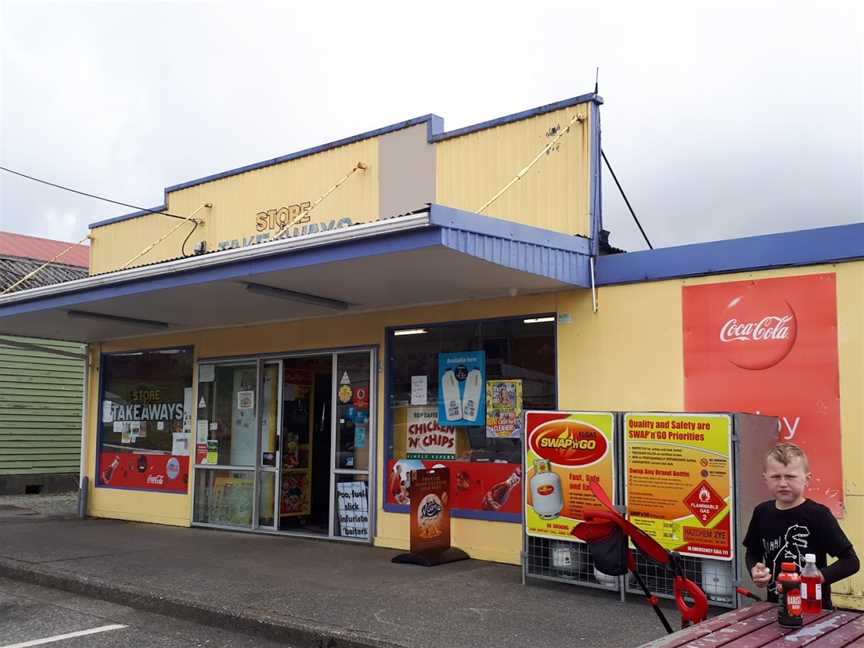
(40, 380)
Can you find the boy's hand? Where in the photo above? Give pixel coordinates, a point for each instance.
(761, 574)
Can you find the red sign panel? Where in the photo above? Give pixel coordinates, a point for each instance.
(155, 472)
(430, 510)
(769, 346)
(474, 486)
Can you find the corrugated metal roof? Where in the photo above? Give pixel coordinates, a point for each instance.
(42, 249)
(12, 269)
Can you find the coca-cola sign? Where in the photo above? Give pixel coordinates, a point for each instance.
(756, 335)
(769, 346)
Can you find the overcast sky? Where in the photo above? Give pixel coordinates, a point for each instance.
(720, 122)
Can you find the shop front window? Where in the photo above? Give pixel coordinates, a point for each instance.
(456, 397)
(146, 420)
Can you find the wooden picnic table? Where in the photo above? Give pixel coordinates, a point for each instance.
(756, 626)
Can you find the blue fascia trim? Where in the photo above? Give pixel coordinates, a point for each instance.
(136, 214)
(435, 125)
(525, 114)
(240, 269)
(452, 218)
(801, 248)
(467, 514)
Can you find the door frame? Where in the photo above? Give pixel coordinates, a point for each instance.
(372, 439)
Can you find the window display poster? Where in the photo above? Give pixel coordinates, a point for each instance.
(679, 480)
(462, 388)
(769, 346)
(157, 472)
(564, 453)
(419, 390)
(353, 509)
(504, 409)
(427, 438)
(486, 486)
(430, 510)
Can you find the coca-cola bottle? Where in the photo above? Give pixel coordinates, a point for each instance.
(108, 473)
(498, 495)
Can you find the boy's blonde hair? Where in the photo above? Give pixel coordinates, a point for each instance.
(784, 453)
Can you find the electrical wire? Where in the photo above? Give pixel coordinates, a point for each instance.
(360, 166)
(152, 245)
(577, 117)
(188, 236)
(623, 195)
(89, 195)
(42, 267)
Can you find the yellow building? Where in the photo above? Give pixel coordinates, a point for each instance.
(269, 348)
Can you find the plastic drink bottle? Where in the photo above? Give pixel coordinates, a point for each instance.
(811, 586)
(789, 591)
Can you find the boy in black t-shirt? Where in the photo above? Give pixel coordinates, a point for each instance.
(789, 526)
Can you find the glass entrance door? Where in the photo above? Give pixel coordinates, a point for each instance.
(287, 444)
(352, 445)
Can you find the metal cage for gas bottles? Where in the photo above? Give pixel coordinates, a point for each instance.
(571, 562)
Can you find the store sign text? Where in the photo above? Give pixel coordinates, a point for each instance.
(295, 230)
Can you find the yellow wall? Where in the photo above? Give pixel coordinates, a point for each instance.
(626, 358)
(554, 194)
(238, 199)
(466, 172)
(616, 359)
(484, 540)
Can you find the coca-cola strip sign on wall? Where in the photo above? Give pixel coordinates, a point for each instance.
(769, 346)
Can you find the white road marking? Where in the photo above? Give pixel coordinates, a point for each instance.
(70, 635)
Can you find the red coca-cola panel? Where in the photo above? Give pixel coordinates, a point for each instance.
(477, 486)
(154, 472)
(769, 346)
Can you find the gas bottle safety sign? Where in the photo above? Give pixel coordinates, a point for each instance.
(678, 486)
(564, 453)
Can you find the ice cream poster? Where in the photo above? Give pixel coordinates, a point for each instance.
(504, 409)
(462, 388)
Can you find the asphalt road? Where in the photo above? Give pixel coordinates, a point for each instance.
(30, 614)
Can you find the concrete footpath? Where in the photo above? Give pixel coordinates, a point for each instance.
(311, 592)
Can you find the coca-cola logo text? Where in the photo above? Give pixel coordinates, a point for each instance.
(772, 327)
(757, 329)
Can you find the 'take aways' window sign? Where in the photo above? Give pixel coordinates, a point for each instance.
(462, 388)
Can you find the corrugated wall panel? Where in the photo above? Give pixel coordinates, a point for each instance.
(237, 200)
(553, 195)
(40, 410)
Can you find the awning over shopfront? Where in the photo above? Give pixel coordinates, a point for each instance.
(437, 255)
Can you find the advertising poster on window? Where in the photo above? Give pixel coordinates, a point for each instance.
(462, 388)
(145, 439)
(430, 510)
(504, 409)
(678, 485)
(428, 439)
(474, 486)
(564, 453)
(769, 346)
(352, 506)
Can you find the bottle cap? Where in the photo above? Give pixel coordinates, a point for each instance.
(810, 557)
(541, 465)
(788, 566)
